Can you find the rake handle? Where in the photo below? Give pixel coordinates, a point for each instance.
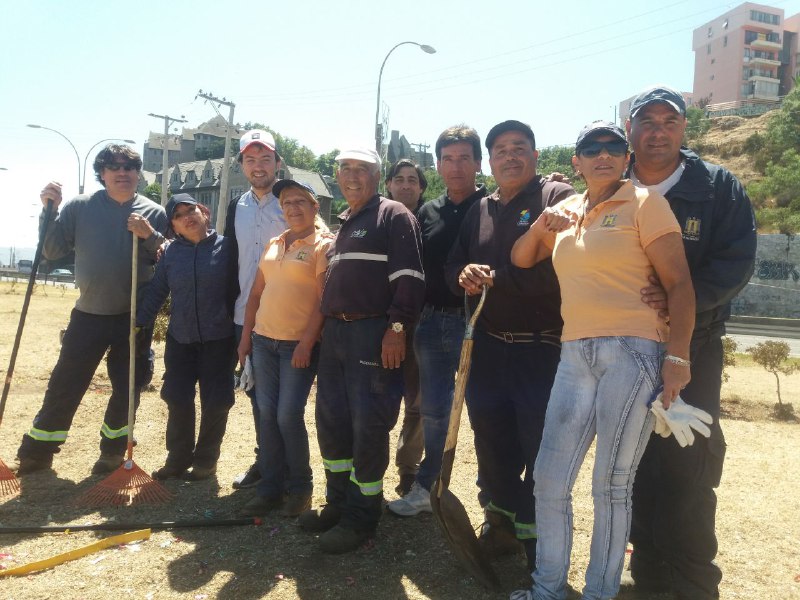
(132, 346)
(48, 210)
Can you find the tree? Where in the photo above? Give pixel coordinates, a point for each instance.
(729, 348)
(558, 159)
(153, 191)
(697, 124)
(773, 356)
(325, 163)
(435, 187)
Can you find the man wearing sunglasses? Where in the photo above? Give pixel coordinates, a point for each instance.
(98, 228)
(674, 504)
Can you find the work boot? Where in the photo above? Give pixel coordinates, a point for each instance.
(320, 519)
(248, 479)
(341, 539)
(530, 553)
(296, 504)
(497, 537)
(406, 481)
(646, 574)
(416, 501)
(107, 463)
(169, 471)
(260, 506)
(31, 464)
(200, 472)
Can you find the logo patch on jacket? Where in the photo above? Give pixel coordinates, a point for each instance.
(691, 230)
(359, 233)
(302, 255)
(524, 217)
(609, 221)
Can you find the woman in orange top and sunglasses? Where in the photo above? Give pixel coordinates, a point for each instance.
(605, 244)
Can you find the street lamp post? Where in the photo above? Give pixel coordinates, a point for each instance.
(81, 169)
(378, 132)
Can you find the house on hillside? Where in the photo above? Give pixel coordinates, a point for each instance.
(183, 147)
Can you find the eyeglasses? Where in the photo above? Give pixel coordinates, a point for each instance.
(129, 166)
(593, 149)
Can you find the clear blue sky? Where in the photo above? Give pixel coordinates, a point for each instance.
(309, 70)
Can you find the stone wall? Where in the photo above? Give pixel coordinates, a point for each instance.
(774, 289)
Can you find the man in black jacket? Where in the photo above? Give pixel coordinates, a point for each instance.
(517, 338)
(674, 503)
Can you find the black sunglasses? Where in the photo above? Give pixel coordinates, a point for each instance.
(614, 148)
(127, 166)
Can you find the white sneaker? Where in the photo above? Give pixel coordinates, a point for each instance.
(414, 502)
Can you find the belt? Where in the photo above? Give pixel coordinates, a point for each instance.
(353, 316)
(450, 310)
(544, 337)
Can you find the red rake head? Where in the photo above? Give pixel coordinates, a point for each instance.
(9, 484)
(126, 486)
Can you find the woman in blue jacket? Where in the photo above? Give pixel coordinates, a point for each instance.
(197, 270)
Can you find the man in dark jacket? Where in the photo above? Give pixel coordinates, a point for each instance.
(517, 338)
(674, 503)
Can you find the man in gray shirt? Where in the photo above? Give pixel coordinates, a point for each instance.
(98, 228)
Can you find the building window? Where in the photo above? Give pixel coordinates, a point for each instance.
(710, 32)
(725, 24)
(763, 17)
(708, 49)
(725, 41)
(713, 60)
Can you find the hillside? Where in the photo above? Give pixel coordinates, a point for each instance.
(724, 143)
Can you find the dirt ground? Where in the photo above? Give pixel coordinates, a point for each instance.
(758, 527)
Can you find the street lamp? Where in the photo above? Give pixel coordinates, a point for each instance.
(81, 170)
(378, 133)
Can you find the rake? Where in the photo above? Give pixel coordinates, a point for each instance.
(129, 484)
(9, 484)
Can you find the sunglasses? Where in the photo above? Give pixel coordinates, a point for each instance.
(126, 166)
(614, 148)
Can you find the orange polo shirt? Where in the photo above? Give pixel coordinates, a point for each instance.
(290, 290)
(602, 266)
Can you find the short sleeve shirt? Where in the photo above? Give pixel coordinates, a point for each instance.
(602, 266)
(290, 292)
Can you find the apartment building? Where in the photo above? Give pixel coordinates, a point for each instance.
(748, 53)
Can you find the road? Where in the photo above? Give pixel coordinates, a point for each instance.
(746, 341)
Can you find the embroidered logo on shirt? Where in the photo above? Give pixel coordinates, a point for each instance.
(302, 255)
(609, 221)
(359, 233)
(524, 217)
(691, 231)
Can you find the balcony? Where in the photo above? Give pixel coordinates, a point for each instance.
(754, 60)
(762, 42)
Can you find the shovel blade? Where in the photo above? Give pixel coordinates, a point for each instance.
(454, 522)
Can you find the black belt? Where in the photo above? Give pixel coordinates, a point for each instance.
(354, 316)
(450, 310)
(544, 337)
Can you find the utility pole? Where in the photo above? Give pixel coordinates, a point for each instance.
(222, 206)
(168, 121)
(422, 151)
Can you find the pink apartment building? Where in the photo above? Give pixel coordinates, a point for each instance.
(748, 53)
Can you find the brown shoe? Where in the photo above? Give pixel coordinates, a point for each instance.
(259, 506)
(497, 537)
(107, 463)
(342, 539)
(199, 472)
(320, 519)
(28, 465)
(296, 504)
(169, 471)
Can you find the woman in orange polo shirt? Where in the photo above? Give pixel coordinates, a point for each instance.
(282, 326)
(605, 244)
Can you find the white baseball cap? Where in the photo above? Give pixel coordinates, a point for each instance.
(256, 136)
(367, 155)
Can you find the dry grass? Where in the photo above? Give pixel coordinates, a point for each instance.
(758, 507)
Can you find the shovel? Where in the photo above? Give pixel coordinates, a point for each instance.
(450, 514)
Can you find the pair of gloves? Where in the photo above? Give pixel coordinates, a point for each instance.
(679, 420)
(246, 381)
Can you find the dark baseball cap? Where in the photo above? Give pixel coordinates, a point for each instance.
(177, 199)
(507, 126)
(284, 183)
(659, 93)
(596, 128)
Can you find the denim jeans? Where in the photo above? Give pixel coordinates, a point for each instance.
(437, 345)
(602, 389)
(281, 393)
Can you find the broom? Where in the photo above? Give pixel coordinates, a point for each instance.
(9, 484)
(128, 484)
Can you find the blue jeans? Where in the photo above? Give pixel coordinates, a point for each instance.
(281, 393)
(437, 345)
(602, 388)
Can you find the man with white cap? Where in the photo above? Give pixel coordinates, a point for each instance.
(252, 221)
(674, 504)
(373, 294)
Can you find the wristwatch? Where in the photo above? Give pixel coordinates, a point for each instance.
(397, 327)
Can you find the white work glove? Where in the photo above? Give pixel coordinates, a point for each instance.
(680, 419)
(246, 379)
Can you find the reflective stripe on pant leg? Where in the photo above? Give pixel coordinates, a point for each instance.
(372, 488)
(47, 436)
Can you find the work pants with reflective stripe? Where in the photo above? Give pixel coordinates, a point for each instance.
(358, 402)
(85, 342)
